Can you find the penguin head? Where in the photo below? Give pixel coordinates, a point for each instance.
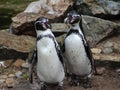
(42, 24)
(72, 18)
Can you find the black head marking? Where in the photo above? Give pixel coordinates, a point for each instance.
(72, 17)
(42, 24)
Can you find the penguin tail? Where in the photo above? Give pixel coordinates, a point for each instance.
(95, 72)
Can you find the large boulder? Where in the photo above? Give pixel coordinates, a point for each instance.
(15, 47)
(23, 23)
(99, 29)
(100, 8)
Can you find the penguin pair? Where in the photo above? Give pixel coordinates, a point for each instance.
(50, 65)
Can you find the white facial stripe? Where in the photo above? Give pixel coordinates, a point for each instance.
(76, 15)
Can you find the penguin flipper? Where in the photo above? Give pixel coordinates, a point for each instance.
(63, 48)
(60, 54)
(33, 61)
(90, 56)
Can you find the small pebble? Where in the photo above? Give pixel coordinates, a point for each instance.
(25, 65)
(2, 81)
(11, 75)
(3, 76)
(2, 64)
(100, 70)
(96, 50)
(18, 63)
(118, 70)
(18, 74)
(107, 50)
(108, 45)
(10, 82)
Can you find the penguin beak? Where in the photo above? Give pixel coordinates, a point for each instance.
(44, 26)
(72, 19)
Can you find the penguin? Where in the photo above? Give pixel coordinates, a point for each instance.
(77, 50)
(47, 56)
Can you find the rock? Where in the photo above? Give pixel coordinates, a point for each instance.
(2, 81)
(33, 7)
(23, 23)
(111, 42)
(101, 70)
(107, 50)
(116, 47)
(47, 6)
(14, 47)
(100, 8)
(104, 57)
(118, 70)
(108, 45)
(2, 64)
(18, 63)
(96, 28)
(96, 50)
(99, 29)
(96, 57)
(25, 65)
(10, 82)
(90, 41)
(3, 76)
(18, 74)
(59, 29)
(60, 39)
(11, 76)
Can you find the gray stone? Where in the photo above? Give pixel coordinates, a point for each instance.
(99, 29)
(108, 45)
(18, 74)
(2, 81)
(99, 7)
(107, 50)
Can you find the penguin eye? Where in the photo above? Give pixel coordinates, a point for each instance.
(37, 25)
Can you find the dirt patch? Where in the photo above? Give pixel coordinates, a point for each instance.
(109, 80)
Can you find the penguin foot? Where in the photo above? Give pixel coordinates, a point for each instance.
(59, 87)
(87, 84)
(43, 87)
(74, 83)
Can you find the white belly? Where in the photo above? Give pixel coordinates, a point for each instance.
(49, 67)
(78, 62)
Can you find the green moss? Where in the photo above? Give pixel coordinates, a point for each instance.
(9, 8)
(25, 76)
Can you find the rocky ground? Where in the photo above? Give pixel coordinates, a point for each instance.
(15, 77)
